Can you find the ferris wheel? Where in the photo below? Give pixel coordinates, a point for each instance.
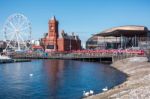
(17, 32)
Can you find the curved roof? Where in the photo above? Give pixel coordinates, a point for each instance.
(128, 30)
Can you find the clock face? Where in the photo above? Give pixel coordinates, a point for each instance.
(52, 27)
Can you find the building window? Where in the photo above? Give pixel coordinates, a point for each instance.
(50, 46)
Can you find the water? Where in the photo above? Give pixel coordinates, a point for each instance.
(55, 79)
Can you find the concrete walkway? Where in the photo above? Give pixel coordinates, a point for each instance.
(137, 85)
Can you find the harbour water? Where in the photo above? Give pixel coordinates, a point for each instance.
(55, 79)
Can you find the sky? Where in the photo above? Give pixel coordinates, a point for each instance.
(84, 17)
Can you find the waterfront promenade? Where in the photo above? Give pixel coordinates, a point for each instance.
(83, 55)
(137, 85)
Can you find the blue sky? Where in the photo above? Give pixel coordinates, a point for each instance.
(84, 17)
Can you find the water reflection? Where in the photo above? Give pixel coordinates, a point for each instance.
(54, 70)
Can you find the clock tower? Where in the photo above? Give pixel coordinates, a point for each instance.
(53, 28)
(50, 42)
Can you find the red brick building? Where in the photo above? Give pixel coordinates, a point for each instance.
(52, 41)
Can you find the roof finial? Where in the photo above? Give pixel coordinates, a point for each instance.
(53, 18)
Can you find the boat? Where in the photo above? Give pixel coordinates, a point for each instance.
(5, 59)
